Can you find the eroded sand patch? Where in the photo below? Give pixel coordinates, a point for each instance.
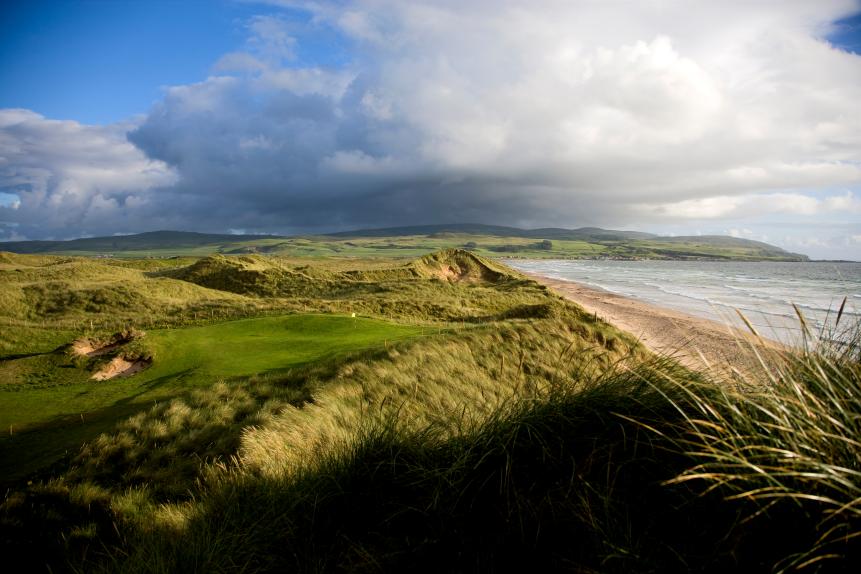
(90, 348)
(87, 347)
(125, 361)
(454, 274)
(120, 367)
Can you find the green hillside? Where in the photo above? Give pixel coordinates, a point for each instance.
(408, 242)
(150, 241)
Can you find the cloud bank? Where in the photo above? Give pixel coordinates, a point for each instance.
(58, 177)
(543, 113)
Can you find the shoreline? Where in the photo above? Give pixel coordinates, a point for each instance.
(697, 343)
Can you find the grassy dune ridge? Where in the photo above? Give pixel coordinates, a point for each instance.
(505, 429)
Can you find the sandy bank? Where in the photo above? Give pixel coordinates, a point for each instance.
(120, 367)
(697, 343)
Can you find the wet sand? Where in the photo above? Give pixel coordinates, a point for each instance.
(695, 342)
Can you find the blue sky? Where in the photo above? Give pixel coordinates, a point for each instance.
(847, 33)
(102, 61)
(670, 116)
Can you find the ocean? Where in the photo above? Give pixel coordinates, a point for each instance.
(763, 291)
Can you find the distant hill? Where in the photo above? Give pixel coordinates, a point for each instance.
(484, 240)
(719, 240)
(151, 240)
(587, 233)
(469, 228)
(581, 234)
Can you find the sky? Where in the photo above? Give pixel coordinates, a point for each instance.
(678, 117)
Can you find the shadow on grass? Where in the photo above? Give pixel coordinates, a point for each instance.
(572, 484)
(41, 451)
(36, 451)
(58, 350)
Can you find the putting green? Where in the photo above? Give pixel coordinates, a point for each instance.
(252, 346)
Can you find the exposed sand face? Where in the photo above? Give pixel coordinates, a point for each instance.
(456, 274)
(87, 348)
(120, 367)
(695, 342)
(449, 273)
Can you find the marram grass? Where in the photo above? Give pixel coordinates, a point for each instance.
(794, 441)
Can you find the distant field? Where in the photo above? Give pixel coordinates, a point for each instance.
(411, 242)
(387, 247)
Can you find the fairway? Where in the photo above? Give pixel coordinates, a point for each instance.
(255, 346)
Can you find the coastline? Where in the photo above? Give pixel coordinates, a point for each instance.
(695, 342)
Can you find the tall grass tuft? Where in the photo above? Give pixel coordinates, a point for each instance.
(790, 446)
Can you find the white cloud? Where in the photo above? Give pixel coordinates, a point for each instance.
(610, 101)
(269, 44)
(826, 246)
(70, 176)
(753, 205)
(744, 233)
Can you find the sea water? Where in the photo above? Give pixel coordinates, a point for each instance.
(763, 291)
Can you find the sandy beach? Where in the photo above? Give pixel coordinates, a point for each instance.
(695, 342)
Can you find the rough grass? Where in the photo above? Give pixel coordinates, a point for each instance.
(274, 423)
(451, 285)
(51, 298)
(446, 382)
(40, 388)
(390, 499)
(453, 378)
(619, 469)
